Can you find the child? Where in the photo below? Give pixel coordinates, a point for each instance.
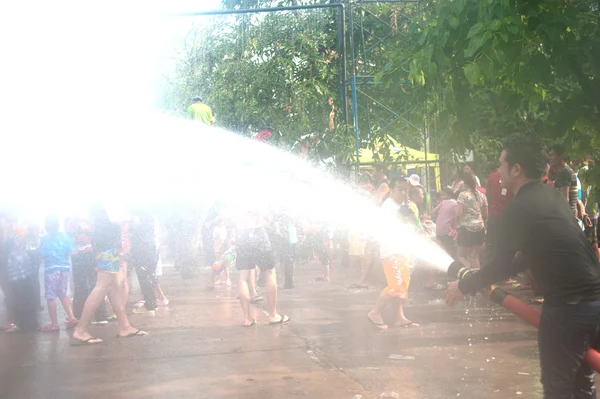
(445, 230)
(22, 265)
(55, 249)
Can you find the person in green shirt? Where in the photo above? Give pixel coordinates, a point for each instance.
(199, 111)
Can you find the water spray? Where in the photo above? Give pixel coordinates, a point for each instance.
(532, 316)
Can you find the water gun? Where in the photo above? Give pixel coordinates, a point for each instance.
(226, 260)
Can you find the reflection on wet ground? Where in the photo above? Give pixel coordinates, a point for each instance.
(198, 349)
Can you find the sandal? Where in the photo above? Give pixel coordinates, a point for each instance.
(381, 326)
(257, 299)
(283, 320)
(138, 333)
(82, 342)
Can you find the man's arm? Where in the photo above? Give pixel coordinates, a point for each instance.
(514, 229)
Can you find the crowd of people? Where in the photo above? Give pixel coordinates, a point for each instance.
(92, 254)
(467, 219)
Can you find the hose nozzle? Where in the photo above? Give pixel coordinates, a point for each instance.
(457, 270)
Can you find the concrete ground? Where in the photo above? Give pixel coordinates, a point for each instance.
(198, 349)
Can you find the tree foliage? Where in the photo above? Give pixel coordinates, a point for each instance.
(494, 68)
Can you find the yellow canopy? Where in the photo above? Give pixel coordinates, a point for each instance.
(414, 158)
(397, 151)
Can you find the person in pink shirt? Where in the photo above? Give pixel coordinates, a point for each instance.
(444, 222)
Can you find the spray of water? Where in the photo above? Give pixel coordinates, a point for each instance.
(87, 137)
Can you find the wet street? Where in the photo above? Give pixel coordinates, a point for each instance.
(198, 349)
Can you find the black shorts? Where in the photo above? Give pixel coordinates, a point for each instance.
(249, 256)
(468, 238)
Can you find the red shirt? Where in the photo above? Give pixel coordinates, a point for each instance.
(496, 195)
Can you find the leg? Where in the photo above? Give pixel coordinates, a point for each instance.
(6, 289)
(160, 295)
(147, 279)
(367, 266)
(116, 294)
(63, 283)
(271, 287)
(80, 288)
(565, 333)
(52, 312)
(474, 256)
(374, 315)
(244, 293)
(464, 256)
(104, 283)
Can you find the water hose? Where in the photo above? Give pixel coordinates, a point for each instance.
(519, 308)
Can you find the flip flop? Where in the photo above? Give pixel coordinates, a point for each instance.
(138, 333)
(358, 286)
(283, 320)
(409, 325)
(257, 299)
(250, 325)
(81, 342)
(381, 326)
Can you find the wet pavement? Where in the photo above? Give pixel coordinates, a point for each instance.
(198, 349)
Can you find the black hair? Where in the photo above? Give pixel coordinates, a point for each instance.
(52, 223)
(470, 181)
(380, 167)
(196, 99)
(559, 149)
(529, 154)
(413, 190)
(448, 192)
(397, 180)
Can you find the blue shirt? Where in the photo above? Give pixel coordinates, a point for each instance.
(55, 250)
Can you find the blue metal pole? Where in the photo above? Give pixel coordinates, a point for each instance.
(355, 117)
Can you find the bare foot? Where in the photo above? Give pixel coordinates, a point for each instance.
(85, 337)
(249, 323)
(377, 320)
(131, 332)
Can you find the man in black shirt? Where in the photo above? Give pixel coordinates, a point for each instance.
(539, 223)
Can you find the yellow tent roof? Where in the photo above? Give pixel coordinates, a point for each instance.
(397, 151)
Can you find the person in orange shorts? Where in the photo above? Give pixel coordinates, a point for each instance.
(395, 258)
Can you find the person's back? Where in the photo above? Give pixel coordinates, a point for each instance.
(497, 196)
(564, 265)
(443, 221)
(55, 249)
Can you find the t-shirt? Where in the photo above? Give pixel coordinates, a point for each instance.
(443, 222)
(497, 196)
(567, 178)
(201, 112)
(55, 250)
(473, 203)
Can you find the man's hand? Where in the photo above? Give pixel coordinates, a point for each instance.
(453, 294)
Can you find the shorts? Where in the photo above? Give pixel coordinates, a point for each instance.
(397, 276)
(108, 261)
(56, 284)
(468, 238)
(248, 257)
